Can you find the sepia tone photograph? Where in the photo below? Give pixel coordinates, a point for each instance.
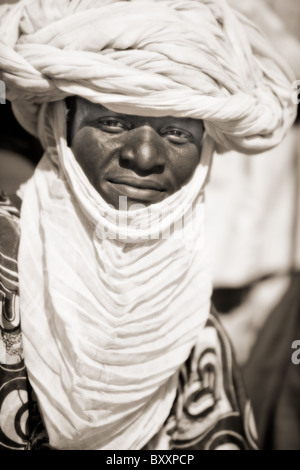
(150, 227)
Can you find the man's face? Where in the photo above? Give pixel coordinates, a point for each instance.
(145, 159)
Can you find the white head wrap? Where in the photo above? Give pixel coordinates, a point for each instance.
(108, 323)
(193, 58)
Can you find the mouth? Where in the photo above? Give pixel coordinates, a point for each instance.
(144, 190)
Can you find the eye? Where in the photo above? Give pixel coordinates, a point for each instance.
(113, 125)
(176, 136)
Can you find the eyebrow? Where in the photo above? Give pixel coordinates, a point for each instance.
(134, 116)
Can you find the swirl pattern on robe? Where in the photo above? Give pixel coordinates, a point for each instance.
(185, 58)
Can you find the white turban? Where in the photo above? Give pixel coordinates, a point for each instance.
(184, 58)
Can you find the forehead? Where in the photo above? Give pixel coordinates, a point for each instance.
(85, 111)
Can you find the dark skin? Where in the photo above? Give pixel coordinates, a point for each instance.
(145, 159)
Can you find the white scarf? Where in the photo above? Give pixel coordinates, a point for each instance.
(107, 323)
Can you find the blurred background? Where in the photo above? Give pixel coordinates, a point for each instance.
(253, 229)
(253, 226)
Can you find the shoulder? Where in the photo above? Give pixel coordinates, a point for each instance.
(214, 410)
(17, 401)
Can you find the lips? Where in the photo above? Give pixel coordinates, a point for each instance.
(137, 183)
(145, 190)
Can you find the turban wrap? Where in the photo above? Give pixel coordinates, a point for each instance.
(197, 59)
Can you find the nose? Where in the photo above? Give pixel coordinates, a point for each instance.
(144, 150)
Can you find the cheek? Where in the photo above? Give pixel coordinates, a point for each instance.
(89, 150)
(184, 165)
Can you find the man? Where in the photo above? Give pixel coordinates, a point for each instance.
(114, 282)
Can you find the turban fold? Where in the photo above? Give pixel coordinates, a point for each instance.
(198, 59)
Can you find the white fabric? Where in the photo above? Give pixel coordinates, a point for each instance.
(193, 58)
(252, 204)
(107, 323)
(252, 214)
